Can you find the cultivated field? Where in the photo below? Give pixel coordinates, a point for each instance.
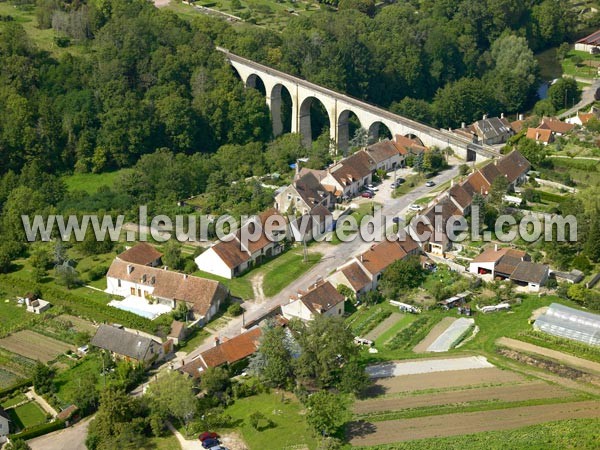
(464, 423)
(420, 398)
(435, 332)
(34, 346)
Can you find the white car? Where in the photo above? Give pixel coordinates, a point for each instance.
(415, 207)
(372, 188)
(430, 183)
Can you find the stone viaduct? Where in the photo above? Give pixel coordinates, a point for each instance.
(339, 106)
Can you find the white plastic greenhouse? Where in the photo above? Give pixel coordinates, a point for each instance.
(570, 323)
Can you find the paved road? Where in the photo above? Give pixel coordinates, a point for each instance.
(72, 438)
(587, 98)
(333, 255)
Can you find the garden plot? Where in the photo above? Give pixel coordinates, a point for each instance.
(506, 393)
(364, 433)
(451, 335)
(383, 326)
(421, 366)
(34, 346)
(443, 380)
(435, 332)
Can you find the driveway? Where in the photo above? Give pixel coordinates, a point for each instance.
(72, 438)
(333, 255)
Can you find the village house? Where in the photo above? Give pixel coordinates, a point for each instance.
(177, 332)
(232, 256)
(557, 127)
(507, 263)
(304, 194)
(231, 351)
(540, 135)
(487, 131)
(348, 176)
(143, 254)
(164, 287)
(384, 155)
(408, 147)
(582, 118)
(590, 43)
(129, 346)
(4, 424)
(514, 167)
(363, 272)
(310, 226)
(320, 298)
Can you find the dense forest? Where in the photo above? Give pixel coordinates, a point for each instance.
(147, 90)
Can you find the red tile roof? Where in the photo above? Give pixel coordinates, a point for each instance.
(201, 293)
(356, 276)
(540, 134)
(351, 169)
(142, 253)
(513, 166)
(557, 126)
(320, 297)
(380, 256)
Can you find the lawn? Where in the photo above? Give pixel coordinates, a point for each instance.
(12, 314)
(91, 182)
(574, 434)
(198, 338)
(289, 428)
(281, 271)
(358, 214)
(412, 181)
(12, 401)
(239, 286)
(27, 415)
(162, 443)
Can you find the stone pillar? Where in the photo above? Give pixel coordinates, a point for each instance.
(274, 102)
(343, 132)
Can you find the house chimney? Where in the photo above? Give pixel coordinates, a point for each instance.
(502, 115)
(129, 269)
(484, 116)
(520, 116)
(452, 182)
(217, 341)
(185, 276)
(495, 247)
(463, 125)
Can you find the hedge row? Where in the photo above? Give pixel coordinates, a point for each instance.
(83, 308)
(15, 387)
(40, 430)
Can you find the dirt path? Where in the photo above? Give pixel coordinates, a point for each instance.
(509, 393)
(435, 332)
(383, 326)
(257, 287)
(30, 394)
(564, 358)
(443, 380)
(365, 433)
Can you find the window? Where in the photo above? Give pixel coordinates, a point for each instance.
(119, 283)
(132, 291)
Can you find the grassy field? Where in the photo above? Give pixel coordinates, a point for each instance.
(194, 341)
(586, 69)
(284, 269)
(567, 434)
(357, 214)
(67, 382)
(12, 401)
(44, 39)
(412, 181)
(91, 182)
(289, 430)
(265, 13)
(12, 314)
(162, 443)
(395, 329)
(27, 415)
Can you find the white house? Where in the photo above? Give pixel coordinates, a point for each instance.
(384, 155)
(232, 256)
(347, 177)
(320, 298)
(4, 421)
(165, 287)
(305, 193)
(37, 306)
(590, 43)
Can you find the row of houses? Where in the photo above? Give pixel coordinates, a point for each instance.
(458, 199)
(549, 129)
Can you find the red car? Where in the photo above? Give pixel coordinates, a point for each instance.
(208, 435)
(367, 195)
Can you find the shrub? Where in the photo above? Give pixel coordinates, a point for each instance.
(235, 309)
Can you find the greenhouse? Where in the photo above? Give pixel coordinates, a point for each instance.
(570, 323)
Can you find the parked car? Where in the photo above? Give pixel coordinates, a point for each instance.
(430, 183)
(396, 219)
(397, 183)
(415, 207)
(208, 435)
(367, 194)
(372, 188)
(210, 443)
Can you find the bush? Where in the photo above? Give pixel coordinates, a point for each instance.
(97, 272)
(235, 309)
(40, 430)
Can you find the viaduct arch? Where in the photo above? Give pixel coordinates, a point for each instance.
(338, 107)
